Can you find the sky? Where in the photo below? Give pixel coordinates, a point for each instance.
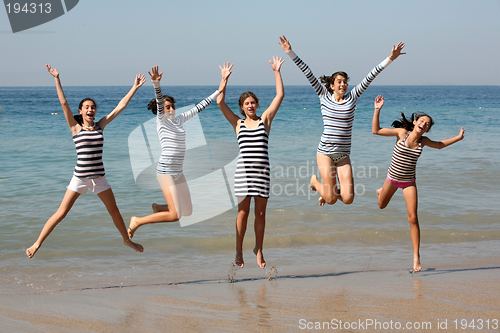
(101, 43)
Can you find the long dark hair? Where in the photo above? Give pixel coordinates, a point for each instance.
(153, 106)
(407, 124)
(328, 80)
(78, 117)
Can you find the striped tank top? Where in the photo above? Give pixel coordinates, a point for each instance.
(89, 146)
(404, 161)
(252, 176)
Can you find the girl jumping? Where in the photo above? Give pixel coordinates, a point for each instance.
(409, 144)
(89, 170)
(252, 176)
(173, 148)
(337, 108)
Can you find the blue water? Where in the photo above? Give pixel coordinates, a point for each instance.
(458, 188)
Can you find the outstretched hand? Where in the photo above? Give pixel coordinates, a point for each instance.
(139, 80)
(52, 71)
(276, 63)
(379, 102)
(396, 51)
(285, 44)
(462, 132)
(155, 76)
(225, 70)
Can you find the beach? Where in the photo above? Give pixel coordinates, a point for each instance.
(349, 263)
(444, 297)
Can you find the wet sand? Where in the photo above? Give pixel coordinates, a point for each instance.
(351, 300)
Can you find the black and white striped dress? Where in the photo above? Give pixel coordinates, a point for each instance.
(89, 146)
(404, 161)
(252, 176)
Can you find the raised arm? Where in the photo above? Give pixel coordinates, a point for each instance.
(233, 119)
(138, 82)
(285, 44)
(160, 103)
(444, 143)
(395, 53)
(268, 115)
(201, 105)
(73, 125)
(379, 103)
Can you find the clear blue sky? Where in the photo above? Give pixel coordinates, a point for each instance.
(108, 42)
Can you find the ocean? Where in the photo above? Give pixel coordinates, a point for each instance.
(458, 187)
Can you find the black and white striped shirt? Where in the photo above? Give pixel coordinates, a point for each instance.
(89, 145)
(252, 176)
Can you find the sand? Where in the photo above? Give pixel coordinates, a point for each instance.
(350, 300)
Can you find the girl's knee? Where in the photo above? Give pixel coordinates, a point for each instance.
(60, 215)
(349, 200)
(242, 215)
(413, 220)
(330, 199)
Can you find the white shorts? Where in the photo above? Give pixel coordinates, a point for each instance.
(81, 185)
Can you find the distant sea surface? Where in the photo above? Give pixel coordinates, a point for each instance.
(458, 189)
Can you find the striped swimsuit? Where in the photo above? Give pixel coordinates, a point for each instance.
(404, 162)
(252, 176)
(338, 117)
(89, 146)
(172, 134)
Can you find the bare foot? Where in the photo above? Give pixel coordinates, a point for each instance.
(159, 208)
(322, 201)
(416, 265)
(378, 192)
(30, 252)
(132, 227)
(260, 258)
(136, 246)
(313, 179)
(239, 259)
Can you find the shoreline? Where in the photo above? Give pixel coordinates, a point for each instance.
(447, 290)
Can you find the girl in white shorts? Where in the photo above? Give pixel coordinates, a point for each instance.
(89, 170)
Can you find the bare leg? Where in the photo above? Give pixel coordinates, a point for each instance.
(328, 172)
(259, 227)
(385, 194)
(66, 204)
(346, 181)
(411, 199)
(241, 228)
(170, 192)
(108, 198)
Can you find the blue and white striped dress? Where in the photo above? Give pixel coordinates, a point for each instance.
(337, 117)
(172, 134)
(89, 145)
(252, 176)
